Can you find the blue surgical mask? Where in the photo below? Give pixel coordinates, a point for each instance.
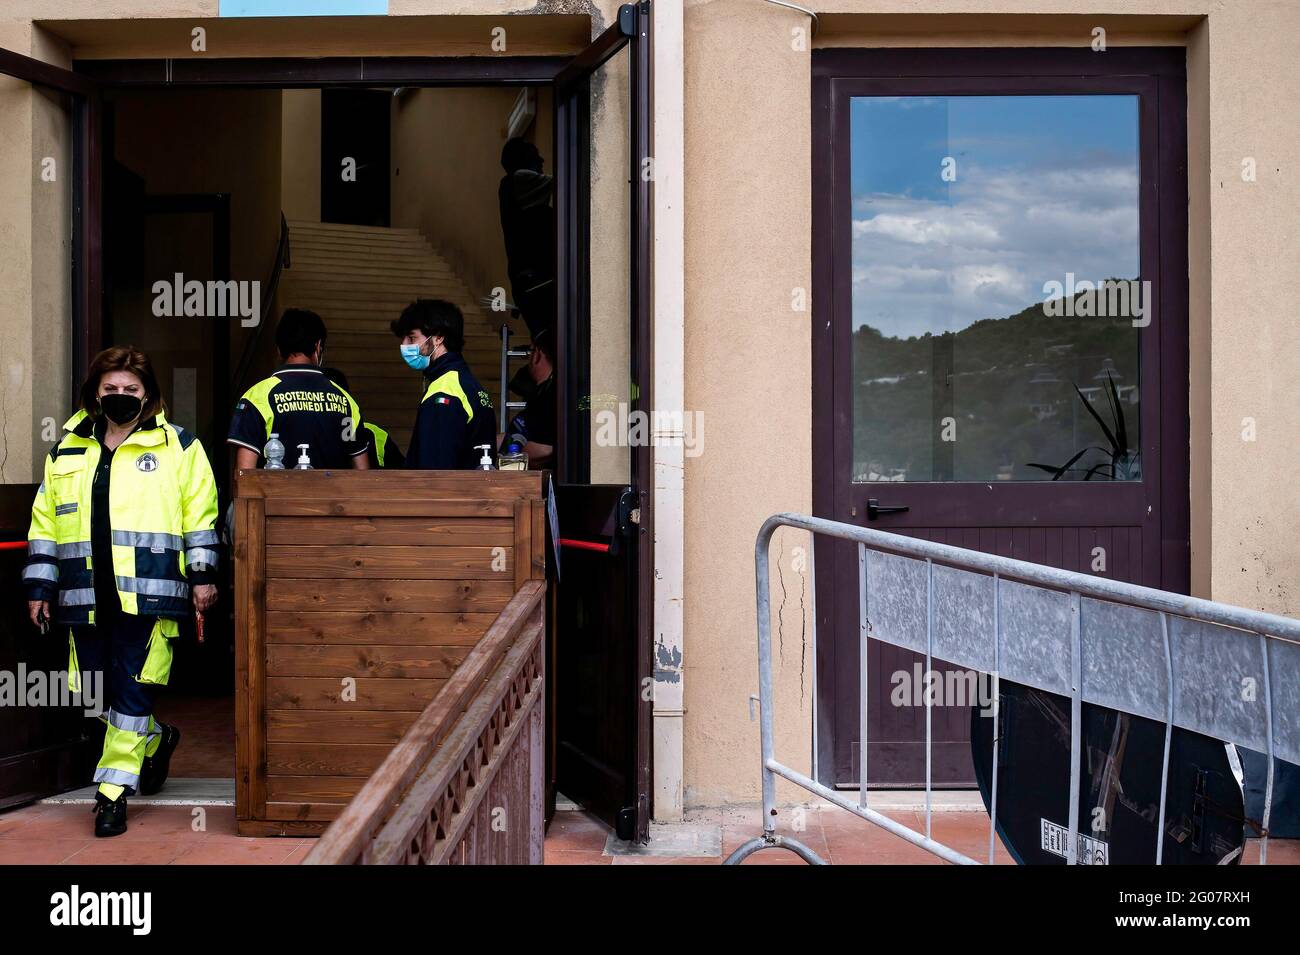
(411, 355)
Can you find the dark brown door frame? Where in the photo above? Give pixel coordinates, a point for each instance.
(1158, 74)
(562, 74)
(286, 73)
(87, 233)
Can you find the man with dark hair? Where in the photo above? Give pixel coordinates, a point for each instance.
(300, 405)
(456, 412)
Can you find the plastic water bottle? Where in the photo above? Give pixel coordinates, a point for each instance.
(304, 462)
(274, 453)
(513, 458)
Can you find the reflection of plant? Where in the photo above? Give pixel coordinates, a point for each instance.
(1123, 465)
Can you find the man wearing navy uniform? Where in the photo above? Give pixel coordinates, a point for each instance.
(456, 411)
(300, 404)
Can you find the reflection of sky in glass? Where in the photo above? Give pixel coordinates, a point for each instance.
(1045, 185)
(301, 8)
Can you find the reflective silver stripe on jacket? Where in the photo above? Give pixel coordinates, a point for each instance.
(81, 597)
(153, 588)
(201, 539)
(61, 509)
(74, 549)
(197, 558)
(147, 539)
(41, 548)
(41, 571)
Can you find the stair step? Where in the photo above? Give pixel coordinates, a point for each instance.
(360, 234)
(344, 294)
(359, 278)
(378, 267)
(333, 243)
(303, 225)
(371, 283)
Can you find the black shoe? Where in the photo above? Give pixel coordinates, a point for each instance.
(153, 773)
(110, 815)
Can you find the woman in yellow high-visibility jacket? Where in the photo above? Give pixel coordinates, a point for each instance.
(123, 544)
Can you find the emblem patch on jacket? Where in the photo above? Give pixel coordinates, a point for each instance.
(147, 462)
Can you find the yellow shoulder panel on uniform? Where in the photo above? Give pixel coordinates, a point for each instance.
(257, 396)
(449, 384)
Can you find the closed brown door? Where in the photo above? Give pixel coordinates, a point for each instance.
(1001, 310)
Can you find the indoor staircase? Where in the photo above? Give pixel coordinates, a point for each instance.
(358, 279)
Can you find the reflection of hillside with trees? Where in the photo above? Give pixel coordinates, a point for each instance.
(1009, 384)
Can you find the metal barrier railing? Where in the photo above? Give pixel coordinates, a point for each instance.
(1168, 657)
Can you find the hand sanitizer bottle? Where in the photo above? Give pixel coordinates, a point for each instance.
(304, 462)
(485, 462)
(274, 453)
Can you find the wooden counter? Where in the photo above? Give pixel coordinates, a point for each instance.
(358, 595)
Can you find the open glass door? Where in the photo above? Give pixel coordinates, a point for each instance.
(48, 329)
(602, 634)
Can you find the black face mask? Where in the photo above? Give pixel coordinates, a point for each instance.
(121, 408)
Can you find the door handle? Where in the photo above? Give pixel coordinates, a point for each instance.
(874, 509)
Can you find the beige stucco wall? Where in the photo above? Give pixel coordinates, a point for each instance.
(748, 196)
(300, 154)
(35, 261)
(446, 150)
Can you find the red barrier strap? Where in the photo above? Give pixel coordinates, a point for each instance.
(13, 545)
(584, 545)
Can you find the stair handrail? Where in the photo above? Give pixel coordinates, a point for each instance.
(271, 286)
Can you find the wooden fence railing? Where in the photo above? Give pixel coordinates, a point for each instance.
(465, 785)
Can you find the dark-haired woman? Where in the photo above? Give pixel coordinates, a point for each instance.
(123, 544)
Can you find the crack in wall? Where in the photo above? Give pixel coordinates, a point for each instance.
(780, 612)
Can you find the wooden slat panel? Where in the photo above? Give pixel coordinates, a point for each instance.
(401, 595)
(345, 842)
(336, 726)
(431, 485)
(537, 569)
(328, 789)
(254, 583)
(321, 693)
(324, 759)
(523, 542)
(406, 562)
(304, 812)
(387, 507)
(349, 627)
(399, 662)
(243, 614)
(352, 531)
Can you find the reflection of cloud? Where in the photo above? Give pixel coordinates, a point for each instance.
(925, 265)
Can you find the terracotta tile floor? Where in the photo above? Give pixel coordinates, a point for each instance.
(837, 836)
(49, 834)
(156, 835)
